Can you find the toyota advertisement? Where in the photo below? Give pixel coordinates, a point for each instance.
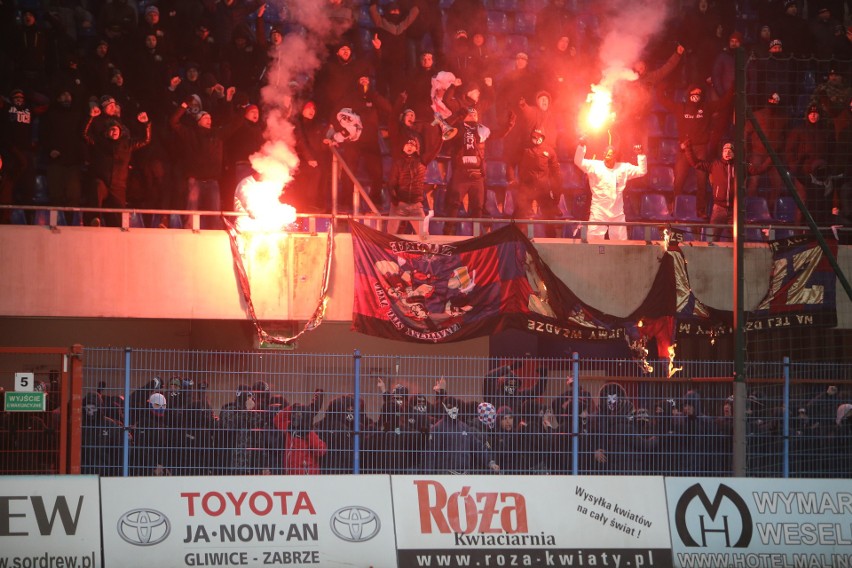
(760, 523)
(531, 521)
(248, 521)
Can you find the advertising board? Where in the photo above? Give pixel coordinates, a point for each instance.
(248, 521)
(50, 522)
(760, 523)
(530, 521)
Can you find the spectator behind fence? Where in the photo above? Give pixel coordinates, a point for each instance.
(155, 447)
(338, 430)
(103, 439)
(454, 448)
(303, 448)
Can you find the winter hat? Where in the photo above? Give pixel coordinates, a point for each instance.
(151, 9)
(461, 34)
(775, 43)
(157, 401)
(774, 99)
(504, 411)
(107, 100)
(414, 142)
(16, 92)
(487, 414)
(737, 36)
(522, 55)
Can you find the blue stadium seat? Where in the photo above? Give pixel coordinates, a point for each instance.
(494, 149)
(670, 125)
(492, 209)
(785, 210)
(435, 174)
(654, 207)
(573, 178)
(638, 234)
(525, 23)
(506, 5)
(534, 6)
(41, 217)
(136, 221)
(498, 22)
(364, 20)
(661, 178)
(439, 198)
(509, 203)
(495, 173)
(653, 126)
(515, 43)
(685, 208)
(77, 219)
(668, 151)
(757, 210)
(19, 217)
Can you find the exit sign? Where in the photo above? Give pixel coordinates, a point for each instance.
(26, 402)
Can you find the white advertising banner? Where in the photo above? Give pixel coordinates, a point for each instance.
(531, 521)
(50, 522)
(760, 523)
(248, 521)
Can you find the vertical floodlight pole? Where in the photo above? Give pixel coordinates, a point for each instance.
(786, 427)
(739, 458)
(356, 389)
(575, 414)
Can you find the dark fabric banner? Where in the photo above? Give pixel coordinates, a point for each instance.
(438, 293)
(694, 317)
(801, 287)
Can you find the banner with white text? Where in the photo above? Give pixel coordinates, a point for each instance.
(530, 521)
(50, 521)
(248, 521)
(760, 522)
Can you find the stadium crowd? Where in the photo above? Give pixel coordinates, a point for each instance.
(160, 104)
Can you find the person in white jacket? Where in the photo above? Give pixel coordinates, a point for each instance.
(607, 179)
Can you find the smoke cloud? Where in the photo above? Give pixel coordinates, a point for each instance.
(293, 63)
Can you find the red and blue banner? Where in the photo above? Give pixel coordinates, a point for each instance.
(801, 287)
(442, 292)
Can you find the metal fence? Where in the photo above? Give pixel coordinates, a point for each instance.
(221, 413)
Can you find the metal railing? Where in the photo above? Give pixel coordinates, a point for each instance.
(55, 218)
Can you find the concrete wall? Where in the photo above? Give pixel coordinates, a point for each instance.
(69, 279)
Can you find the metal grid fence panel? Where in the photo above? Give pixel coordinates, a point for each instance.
(221, 413)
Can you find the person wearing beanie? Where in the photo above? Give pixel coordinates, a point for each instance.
(467, 156)
(59, 134)
(793, 31)
(540, 180)
(697, 444)
(204, 159)
(807, 152)
(303, 448)
(453, 446)
(407, 179)
(723, 181)
(337, 430)
(109, 167)
(392, 55)
(236, 434)
(244, 139)
(772, 118)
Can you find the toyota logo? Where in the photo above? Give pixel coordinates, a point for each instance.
(355, 524)
(143, 527)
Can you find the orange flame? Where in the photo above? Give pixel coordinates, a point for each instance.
(600, 112)
(672, 368)
(266, 213)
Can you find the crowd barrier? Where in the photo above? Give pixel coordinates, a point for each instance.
(412, 521)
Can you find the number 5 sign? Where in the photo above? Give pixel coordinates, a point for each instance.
(24, 382)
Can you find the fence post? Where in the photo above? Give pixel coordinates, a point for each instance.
(356, 447)
(575, 414)
(786, 463)
(75, 448)
(125, 462)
